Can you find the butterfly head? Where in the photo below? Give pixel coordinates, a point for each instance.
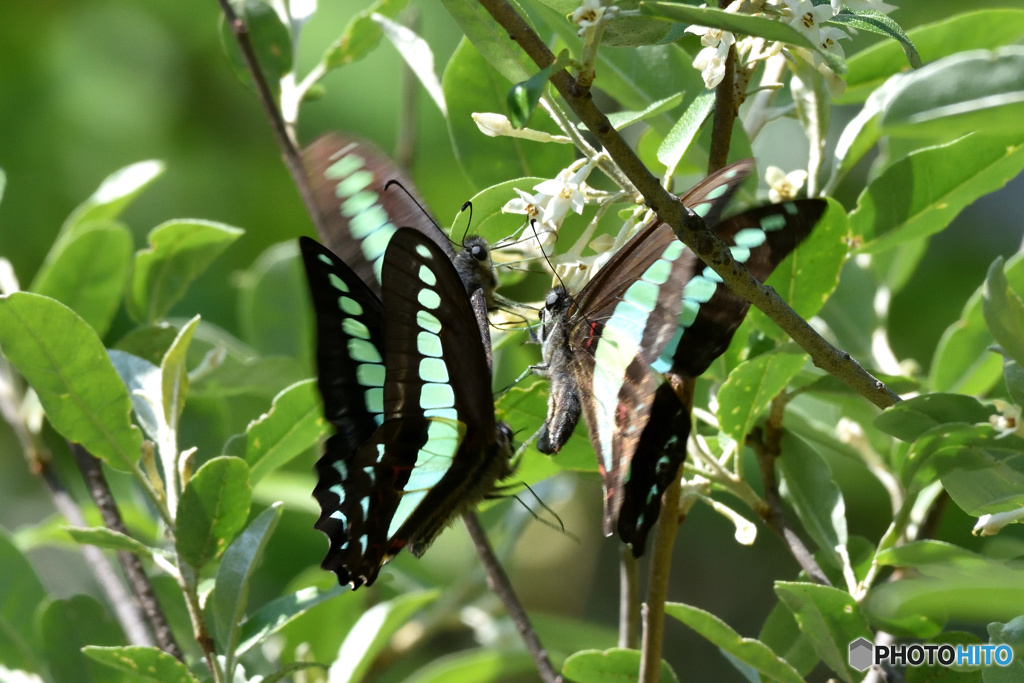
(473, 263)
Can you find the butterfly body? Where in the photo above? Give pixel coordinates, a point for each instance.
(406, 383)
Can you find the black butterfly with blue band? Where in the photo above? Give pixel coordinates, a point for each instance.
(654, 305)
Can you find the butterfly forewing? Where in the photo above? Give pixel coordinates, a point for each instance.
(359, 210)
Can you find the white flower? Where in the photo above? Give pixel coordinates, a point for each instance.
(552, 201)
(784, 186)
(590, 13)
(830, 38)
(807, 17)
(711, 59)
(1008, 421)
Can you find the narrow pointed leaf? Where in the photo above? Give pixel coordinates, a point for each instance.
(729, 21)
(213, 507)
(229, 599)
(65, 362)
(294, 423)
(751, 652)
(143, 381)
(179, 252)
(174, 374)
(361, 35)
(101, 537)
(275, 615)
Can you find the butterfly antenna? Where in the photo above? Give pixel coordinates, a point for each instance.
(469, 222)
(533, 225)
(419, 206)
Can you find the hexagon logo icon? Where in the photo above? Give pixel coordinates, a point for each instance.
(861, 654)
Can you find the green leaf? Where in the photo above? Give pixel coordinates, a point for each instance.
(616, 665)
(179, 252)
(101, 537)
(751, 387)
(491, 43)
(980, 29)
(921, 194)
(683, 133)
(88, 272)
(831, 620)
(962, 362)
(1013, 376)
(213, 507)
(21, 592)
(471, 85)
(479, 665)
(874, 21)
(909, 419)
(809, 487)
(622, 119)
(174, 376)
(860, 135)
(937, 673)
(634, 31)
(65, 627)
(270, 39)
(983, 475)
(728, 21)
(143, 381)
(1004, 312)
(781, 633)
(230, 595)
(523, 97)
(807, 277)
(149, 342)
(294, 423)
(276, 614)
(65, 362)
(1012, 634)
(144, 663)
(274, 314)
(751, 652)
(372, 632)
(979, 91)
(949, 583)
(361, 35)
(113, 196)
(488, 220)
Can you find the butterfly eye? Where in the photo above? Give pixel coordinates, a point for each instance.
(551, 299)
(479, 252)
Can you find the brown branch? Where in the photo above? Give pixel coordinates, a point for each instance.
(724, 116)
(99, 490)
(289, 153)
(497, 581)
(652, 640)
(766, 445)
(687, 225)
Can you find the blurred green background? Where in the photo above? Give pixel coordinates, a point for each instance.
(90, 86)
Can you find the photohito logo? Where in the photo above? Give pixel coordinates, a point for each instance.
(864, 653)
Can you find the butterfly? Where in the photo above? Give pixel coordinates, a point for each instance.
(654, 303)
(406, 383)
(362, 198)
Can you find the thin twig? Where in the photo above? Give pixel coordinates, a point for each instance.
(687, 225)
(126, 609)
(99, 490)
(497, 581)
(290, 154)
(653, 637)
(629, 599)
(405, 145)
(766, 445)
